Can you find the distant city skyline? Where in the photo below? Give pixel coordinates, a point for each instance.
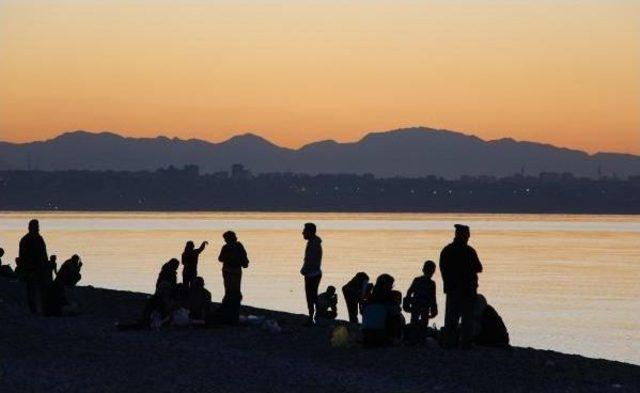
(565, 73)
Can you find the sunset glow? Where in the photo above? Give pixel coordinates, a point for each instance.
(565, 72)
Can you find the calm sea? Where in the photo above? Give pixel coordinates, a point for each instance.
(562, 282)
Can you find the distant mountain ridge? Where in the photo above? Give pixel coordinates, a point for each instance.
(408, 152)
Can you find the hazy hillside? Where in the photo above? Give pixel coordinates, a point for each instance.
(404, 152)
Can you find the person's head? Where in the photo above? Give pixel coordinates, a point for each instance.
(53, 258)
(230, 237)
(362, 277)
(199, 282)
(189, 246)
(309, 230)
(34, 226)
(429, 268)
(331, 290)
(75, 258)
(384, 283)
(462, 233)
(1, 252)
(173, 264)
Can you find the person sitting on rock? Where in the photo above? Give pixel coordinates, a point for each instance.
(169, 273)
(5, 270)
(327, 304)
(376, 312)
(199, 300)
(489, 328)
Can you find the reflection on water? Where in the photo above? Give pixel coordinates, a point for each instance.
(568, 283)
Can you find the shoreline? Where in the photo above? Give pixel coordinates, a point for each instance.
(86, 353)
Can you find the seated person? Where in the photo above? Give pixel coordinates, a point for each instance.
(55, 302)
(377, 313)
(6, 270)
(395, 322)
(69, 272)
(489, 328)
(327, 304)
(169, 273)
(199, 300)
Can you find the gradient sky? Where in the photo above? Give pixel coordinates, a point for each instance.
(563, 72)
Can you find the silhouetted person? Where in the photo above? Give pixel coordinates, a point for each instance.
(377, 312)
(199, 300)
(234, 258)
(353, 293)
(311, 267)
(69, 272)
(395, 322)
(169, 273)
(190, 262)
(50, 268)
(421, 297)
(32, 257)
(327, 304)
(489, 329)
(459, 267)
(56, 303)
(5, 270)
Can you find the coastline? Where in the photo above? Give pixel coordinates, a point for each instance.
(86, 353)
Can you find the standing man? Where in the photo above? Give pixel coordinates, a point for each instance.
(233, 258)
(459, 266)
(32, 256)
(311, 267)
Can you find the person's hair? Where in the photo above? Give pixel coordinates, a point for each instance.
(199, 281)
(189, 246)
(310, 227)
(1, 252)
(362, 276)
(33, 224)
(331, 288)
(53, 257)
(382, 288)
(75, 257)
(229, 236)
(429, 268)
(173, 264)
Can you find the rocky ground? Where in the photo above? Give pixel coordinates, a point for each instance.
(87, 354)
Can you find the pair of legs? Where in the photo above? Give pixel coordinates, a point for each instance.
(35, 292)
(189, 276)
(352, 305)
(420, 318)
(458, 318)
(311, 285)
(232, 281)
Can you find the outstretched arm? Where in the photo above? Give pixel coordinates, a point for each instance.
(202, 247)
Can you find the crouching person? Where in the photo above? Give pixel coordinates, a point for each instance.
(327, 305)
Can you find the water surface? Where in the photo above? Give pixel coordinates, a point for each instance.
(562, 282)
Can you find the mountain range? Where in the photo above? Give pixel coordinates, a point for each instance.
(408, 152)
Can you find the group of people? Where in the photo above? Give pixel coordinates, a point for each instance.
(468, 318)
(46, 283)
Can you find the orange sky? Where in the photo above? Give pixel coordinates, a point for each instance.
(563, 72)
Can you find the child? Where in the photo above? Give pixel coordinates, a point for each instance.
(421, 297)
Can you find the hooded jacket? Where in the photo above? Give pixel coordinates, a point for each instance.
(312, 258)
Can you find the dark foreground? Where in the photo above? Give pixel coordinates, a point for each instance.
(86, 354)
